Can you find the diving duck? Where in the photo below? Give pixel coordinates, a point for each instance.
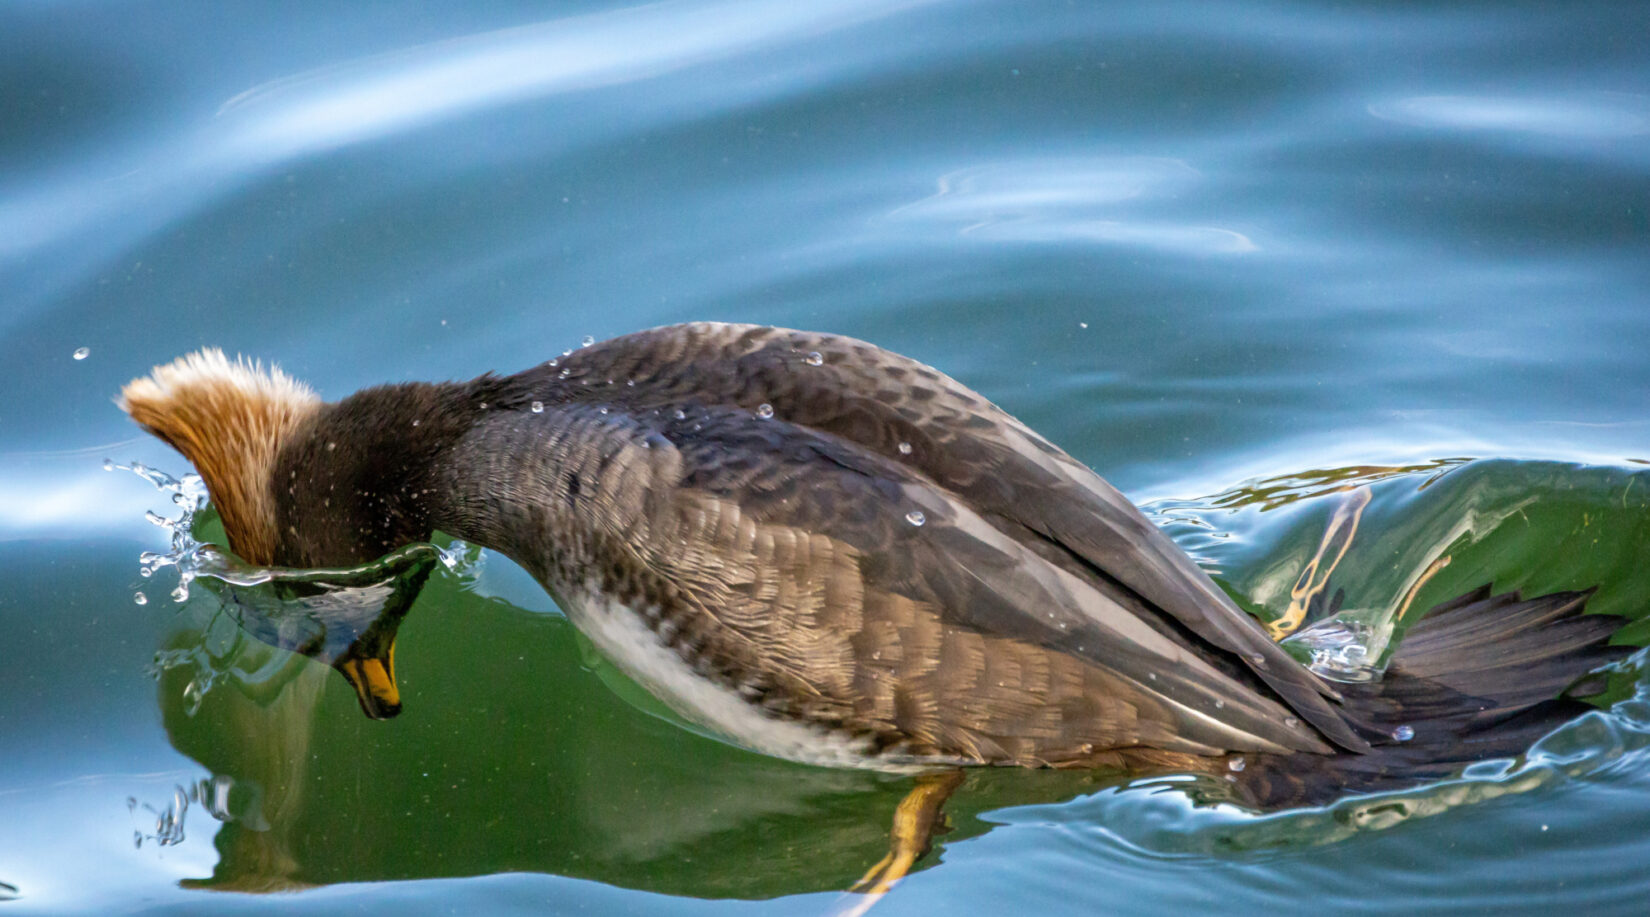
(835, 554)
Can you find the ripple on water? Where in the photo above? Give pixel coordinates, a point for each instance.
(1576, 116)
(1082, 200)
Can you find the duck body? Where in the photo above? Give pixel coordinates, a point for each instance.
(818, 548)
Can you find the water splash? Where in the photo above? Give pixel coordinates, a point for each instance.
(189, 556)
(229, 800)
(168, 829)
(222, 798)
(1342, 649)
(194, 559)
(462, 560)
(326, 614)
(207, 662)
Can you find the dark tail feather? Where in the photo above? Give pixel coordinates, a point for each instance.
(1480, 676)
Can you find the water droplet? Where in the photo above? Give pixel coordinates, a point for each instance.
(601, 410)
(415, 423)
(565, 373)
(82, 353)
(1236, 764)
(555, 362)
(1220, 704)
(915, 517)
(193, 694)
(140, 598)
(538, 407)
(904, 448)
(1151, 676)
(630, 383)
(1291, 722)
(814, 358)
(1082, 324)
(764, 410)
(483, 407)
(681, 414)
(587, 340)
(1258, 661)
(1404, 733)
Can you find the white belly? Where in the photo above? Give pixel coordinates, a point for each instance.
(622, 635)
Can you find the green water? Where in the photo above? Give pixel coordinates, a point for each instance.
(1235, 257)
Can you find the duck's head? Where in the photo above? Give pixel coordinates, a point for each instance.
(230, 420)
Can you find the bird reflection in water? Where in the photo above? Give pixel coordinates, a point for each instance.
(253, 657)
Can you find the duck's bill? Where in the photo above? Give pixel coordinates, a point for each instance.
(346, 618)
(373, 678)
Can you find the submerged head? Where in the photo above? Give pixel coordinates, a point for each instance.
(229, 419)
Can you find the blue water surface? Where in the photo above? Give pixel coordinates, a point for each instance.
(1241, 249)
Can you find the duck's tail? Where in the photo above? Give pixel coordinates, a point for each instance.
(1480, 676)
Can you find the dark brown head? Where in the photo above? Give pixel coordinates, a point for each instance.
(360, 478)
(299, 482)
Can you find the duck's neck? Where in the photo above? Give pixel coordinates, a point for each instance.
(560, 490)
(389, 466)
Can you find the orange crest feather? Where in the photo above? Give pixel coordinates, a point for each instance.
(229, 419)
